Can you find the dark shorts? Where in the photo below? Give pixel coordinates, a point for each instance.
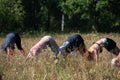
(110, 44)
(18, 42)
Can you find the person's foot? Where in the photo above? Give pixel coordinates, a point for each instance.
(56, 61)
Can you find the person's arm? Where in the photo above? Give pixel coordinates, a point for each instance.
(56, 57)
(118, 57)
(96, 56)
(8, 51)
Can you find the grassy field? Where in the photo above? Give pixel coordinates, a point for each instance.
(43, 67)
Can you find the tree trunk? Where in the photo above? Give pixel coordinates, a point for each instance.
(62, 23)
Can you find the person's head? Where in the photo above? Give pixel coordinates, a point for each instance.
(88, 55)
(115, 62)
(62, 49)
(56, 56)
(82, 48)
(61, 52)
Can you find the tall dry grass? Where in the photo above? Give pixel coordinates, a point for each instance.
(43, 67)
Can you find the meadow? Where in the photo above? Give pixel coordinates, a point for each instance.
(44, 68)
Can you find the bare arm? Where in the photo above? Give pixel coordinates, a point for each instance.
(96, 56)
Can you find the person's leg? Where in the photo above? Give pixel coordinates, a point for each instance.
(23, 52)
(8, 51)
(115, 51)
(53, 45)
(18, 44)
(86, 55)
(12, 49)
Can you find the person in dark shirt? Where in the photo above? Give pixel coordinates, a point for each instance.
(73, 43)
(9, 43)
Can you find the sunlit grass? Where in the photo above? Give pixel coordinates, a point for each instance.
(44, 68)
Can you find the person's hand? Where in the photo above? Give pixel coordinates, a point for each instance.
(118, 57)
(56, 61)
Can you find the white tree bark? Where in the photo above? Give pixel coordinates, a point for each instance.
(62, 23)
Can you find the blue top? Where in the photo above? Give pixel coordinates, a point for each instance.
(73, 41)
(10, 40)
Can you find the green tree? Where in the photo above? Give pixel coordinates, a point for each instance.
(31, 13)
(53, 14)
(83, 15)
(86, 11)
(11, 15)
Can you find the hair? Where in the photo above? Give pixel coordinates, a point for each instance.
(82, 48)
(88, 55)
(115, 62)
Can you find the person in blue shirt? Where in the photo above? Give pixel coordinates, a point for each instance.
(72, 44)
(9, 43)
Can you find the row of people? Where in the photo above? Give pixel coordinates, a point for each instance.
(72, 44)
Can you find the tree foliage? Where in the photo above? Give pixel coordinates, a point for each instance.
(81, 15)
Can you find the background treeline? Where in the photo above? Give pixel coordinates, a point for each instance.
(57, 15)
